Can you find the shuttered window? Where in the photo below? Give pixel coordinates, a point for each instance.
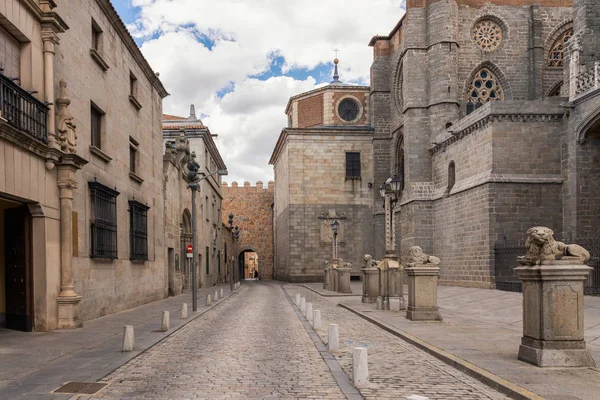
(103, 221)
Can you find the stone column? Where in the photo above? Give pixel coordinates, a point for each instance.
(383, 302)
(553, 313)
(344, 277)
(370, 277)
(67, 300)
(50, 39)
(326, 276)
(422, 293)
(395, 284)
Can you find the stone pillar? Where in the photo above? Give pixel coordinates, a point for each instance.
(370, 277)
(336, 279)
(422, 293)
(553, 313)
(50, 40)
(68, 299)
(395, 284)
(326, 278)
(383, 302)
(344, 280)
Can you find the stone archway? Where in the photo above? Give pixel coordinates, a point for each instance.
(248, 262)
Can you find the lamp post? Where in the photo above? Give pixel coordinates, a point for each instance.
(334, 228)
(232, 268)
(390, 191)
(236, 237)
(194, 177)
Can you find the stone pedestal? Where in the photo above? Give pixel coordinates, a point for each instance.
(395, 284)
(336, 279)
(370, 277)
(383, 301)
(326, 276)
(68, 317)
(553, 314)
(344, 280)
(422, 293)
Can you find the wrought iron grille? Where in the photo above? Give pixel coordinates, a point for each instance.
(22, 110)
(138, 214)
(103, 224)
(352, 165)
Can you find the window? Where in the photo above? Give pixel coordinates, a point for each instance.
(352, 165)
(133, 148)
(484, 87)
(348, 110)
(219, 262)
(289, 120)
(557, 52)
(96, 126)
(487, 35)
(556, 90)
(96, 37)
(400, 159)
(138, 218)
(451, 175)
(133, 82)
(103, 221)
(207, 262)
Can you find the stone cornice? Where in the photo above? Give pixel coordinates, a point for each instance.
(205, 135)
(332, 88)
(278, 146)
(29, 144)
(498, 112)
(49, 18)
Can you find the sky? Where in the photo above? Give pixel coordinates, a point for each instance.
(239, 61)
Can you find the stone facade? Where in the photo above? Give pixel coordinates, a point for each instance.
(252, 209)
(477, 171)
(105, 120)
(314, 184)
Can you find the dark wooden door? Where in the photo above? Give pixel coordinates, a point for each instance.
(17, 242)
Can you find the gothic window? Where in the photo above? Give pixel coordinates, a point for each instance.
(348, 110)
(138, 235)
(451, 175)
(556, 90)
(484, 87)
(487, 35)
(103, 221)
(557, 53)
(400, 161)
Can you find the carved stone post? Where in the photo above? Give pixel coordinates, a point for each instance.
(423, 272)
(383, 301)
(344, 280)
(370, 278)
(395, 285)
(336, 279)
(326, 277)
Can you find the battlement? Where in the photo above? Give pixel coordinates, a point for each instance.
(248, 186)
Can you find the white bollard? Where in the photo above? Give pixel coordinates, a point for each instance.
(221, 294)
(333, 340)
(303, 306)
(317, 319)
(309, 313)
(416, 397)
(216, 295)
(297, 300)
(164, 323)
(128, 338)
(208, 300)
(360, 367)
(394, 304)
(184, 313)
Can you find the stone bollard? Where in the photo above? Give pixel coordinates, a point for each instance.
(395, 285)
(208, 300)
(417, 397)
(360, 367)
(333, 338)
(184, 311)
(422, 293)
(326, 278)
(297, 299)
(336, 279)
(309, 313)
(216, 295)
(221, 294)
(317, 319)
(164, 323)
(128, 338)
(344, 280)
(303, 306)
(370, 278)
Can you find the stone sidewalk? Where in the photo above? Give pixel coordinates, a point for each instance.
(483, 328)
(34, 364)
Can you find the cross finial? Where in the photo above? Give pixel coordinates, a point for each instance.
(336, 51)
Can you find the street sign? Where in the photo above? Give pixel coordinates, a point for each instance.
(190, 251)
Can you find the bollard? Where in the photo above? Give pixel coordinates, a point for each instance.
(164, 323)
(221, 294)
(317, 319)
(360, 367)
(216, 295)
(416, 397)
(184, 313)
(309, 313)
(208, 300)
(394, 304)
(333, 340)
(297, 300)
(128, 338)
(303, 306)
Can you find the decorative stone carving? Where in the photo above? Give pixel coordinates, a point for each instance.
(65, 125)
(487, 34)
(541, 246)
(416, 255)
(370, 278)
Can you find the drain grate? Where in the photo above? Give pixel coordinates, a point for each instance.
(80, 387)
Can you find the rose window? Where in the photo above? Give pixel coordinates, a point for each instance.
(487, 35)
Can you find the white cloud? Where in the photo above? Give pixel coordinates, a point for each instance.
(245, 35)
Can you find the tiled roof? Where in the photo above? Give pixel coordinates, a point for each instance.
(167, 117)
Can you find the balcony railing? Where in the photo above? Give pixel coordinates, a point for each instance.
(588, 80)
(22, 110)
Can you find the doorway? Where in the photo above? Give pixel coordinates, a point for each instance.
(248, 261)
(16, 272)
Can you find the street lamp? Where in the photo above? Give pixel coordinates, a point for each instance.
(236, 237)
(232, 270)
(334, 228)
(390, 191)
(194, 177)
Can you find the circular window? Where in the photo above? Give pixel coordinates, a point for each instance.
(348, 110)
(487, 35)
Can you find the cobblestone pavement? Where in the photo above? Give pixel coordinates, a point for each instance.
(251, 346)
(396, 368)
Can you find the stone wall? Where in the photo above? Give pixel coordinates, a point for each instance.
(252, 207)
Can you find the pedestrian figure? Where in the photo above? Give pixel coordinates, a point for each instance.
(256, 274)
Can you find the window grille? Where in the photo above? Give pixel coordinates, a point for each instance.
(352, 165)
(138, 216)
(484, 87)
(557, 52)
(103, 222)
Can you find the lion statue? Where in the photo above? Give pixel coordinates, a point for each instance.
(541, 246)
(416, 255)
(370, 262)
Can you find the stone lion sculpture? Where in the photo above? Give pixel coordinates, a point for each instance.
(541, 246)
(370, 262)
(416, 255)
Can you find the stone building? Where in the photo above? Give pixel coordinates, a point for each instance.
(488, 111)
(252, 209)
(323, 164)
(184, 138)
(80, 179)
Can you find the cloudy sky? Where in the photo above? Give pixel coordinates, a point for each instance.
(239, 61)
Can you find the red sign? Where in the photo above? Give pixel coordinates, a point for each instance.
(190, 250)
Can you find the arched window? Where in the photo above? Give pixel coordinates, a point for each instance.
(557, 52)
(556, 90)
(400, 160)
(483, 88)
(451, 175)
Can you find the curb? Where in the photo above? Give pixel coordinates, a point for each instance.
(494, 381)
(334, 294)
